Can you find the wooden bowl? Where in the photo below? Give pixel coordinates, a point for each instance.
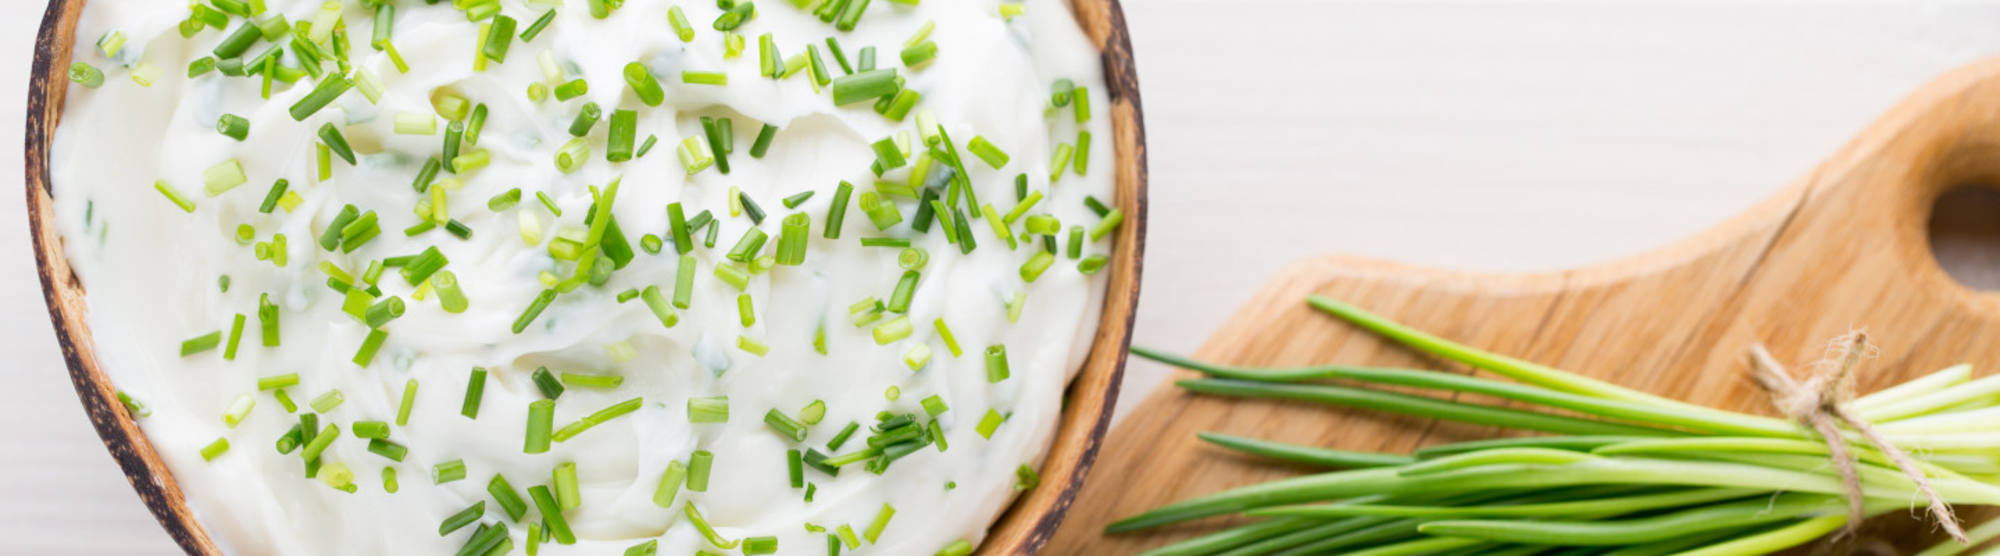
(1022, 529)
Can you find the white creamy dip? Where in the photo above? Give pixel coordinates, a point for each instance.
(152, 272)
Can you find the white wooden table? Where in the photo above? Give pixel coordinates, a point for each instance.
(1506, 135)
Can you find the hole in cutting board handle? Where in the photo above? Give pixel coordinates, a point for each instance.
(1964, 233)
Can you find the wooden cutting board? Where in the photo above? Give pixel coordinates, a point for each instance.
(1846, 247)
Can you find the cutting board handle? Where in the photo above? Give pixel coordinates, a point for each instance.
(1867, 209)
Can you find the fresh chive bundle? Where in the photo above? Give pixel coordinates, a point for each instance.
(1625, 469)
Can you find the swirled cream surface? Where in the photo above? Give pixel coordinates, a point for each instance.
(580, 272)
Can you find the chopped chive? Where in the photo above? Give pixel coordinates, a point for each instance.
(996, 363)
(849, 16)
(670, 484)
(585, 119)
(572, 89)
(693, 77)
(867, 59)
(749, 245)
(499, 39)
(552, 514)
(1096, 206)
(896, 329)
(658, 304)
(917, 55)
(864, 86)
(1082, 104)
(906, 287)
(571, 156)
(409, 401)
(708, 410)
(624, 130)
(707, 531)
(817, 66)
(1082, 160)
(1036, 265)
(837, 212)
(320, 442)
(648, 548)
(694, 154)
(238, 409)
(986, 151)
(534, 310)
(235, 334)
(196, 68)
(839, 56)
(328, 401)
(795, 466)
(214, 449)
(792, 239)
(132, 405)
(419, 269)
(647, 146)
(510, 500)
(882, 517)
(735, 15)
(1014, 306)
(713, 134)
(463, 518)
(535, 29)
(679, 20)
(1044, 225)
(1107, 225)
(201, 343)
(568, 496)
(369, 346)
(331, 137)
(888, 154)
(643, 84)
(684, 282)
(233, 126)
(770, 61)
(760, 545)
(763, 142)
(323, 94)
(1091, 264)
(698, 466)
(541, 421)
(989, 423)
(841, 439)
(221, 177)
(744, 311)
(371, 429)
(917, 357)
(475, 390)
(799, 199)
(549, 203)
(474, 125)
(785, 425)
(447, 472)
(90, 77)
(847, 537)
(881, 212)
(387, 449)
(998, 224)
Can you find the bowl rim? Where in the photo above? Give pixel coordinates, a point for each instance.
(1026, 525)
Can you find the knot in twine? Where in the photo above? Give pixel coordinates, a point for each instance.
(1819, 403)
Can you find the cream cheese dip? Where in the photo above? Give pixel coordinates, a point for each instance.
(512, 350)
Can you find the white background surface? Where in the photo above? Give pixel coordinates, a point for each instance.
(1495, 135)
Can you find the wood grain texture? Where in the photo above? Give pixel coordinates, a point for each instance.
(1844, 247)
(1023, 529)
